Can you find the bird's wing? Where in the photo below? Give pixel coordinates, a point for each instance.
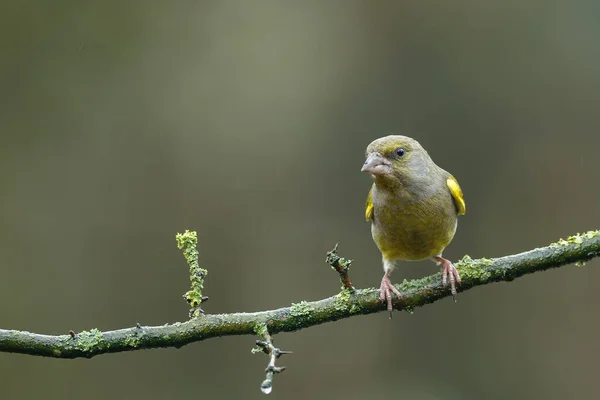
(457, 195)
(369, 206)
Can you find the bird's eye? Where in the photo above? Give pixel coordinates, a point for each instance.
(400, 151)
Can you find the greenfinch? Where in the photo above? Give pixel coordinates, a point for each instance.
(413, 207)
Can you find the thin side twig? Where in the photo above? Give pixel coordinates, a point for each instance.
(187, 242)
(266, 346)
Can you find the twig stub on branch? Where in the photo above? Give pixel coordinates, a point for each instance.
(341, 266)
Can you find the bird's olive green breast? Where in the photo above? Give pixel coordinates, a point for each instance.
(413, 223)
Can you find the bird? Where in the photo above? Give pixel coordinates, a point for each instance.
(413, 206)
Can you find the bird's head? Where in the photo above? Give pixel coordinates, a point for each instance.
(397, 157)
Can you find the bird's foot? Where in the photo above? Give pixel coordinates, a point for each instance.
(386, 292)
(449, 272)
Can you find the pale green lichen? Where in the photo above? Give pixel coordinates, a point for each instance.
(474, 269)
(344, 295)
(413, 284)
(576, 239)
(89, 340)
(188, 242)
(301, 309)
(355, 308)
(134, 339)
(340, 306)
(369, 291)
(261, 330)
(343, 302)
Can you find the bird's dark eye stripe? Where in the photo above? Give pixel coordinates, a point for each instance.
(400, 151)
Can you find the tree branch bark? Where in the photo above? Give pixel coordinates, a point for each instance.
(348, 303)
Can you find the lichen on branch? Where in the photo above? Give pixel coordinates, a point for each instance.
(187, 242)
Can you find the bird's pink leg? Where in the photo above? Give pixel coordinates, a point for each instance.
(448, 272)
(386, 291)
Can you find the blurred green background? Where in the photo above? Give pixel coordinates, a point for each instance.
(125, 122)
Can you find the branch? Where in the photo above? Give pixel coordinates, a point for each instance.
(347, 303)
(267, 347)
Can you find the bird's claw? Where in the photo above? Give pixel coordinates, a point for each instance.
(449, 272)
(387, 288)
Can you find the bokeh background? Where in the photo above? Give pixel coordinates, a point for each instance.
(124, 122)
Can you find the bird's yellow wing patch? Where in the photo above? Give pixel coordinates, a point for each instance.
(457, 195)
(369, 207)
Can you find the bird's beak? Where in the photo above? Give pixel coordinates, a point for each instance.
(376, 164)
